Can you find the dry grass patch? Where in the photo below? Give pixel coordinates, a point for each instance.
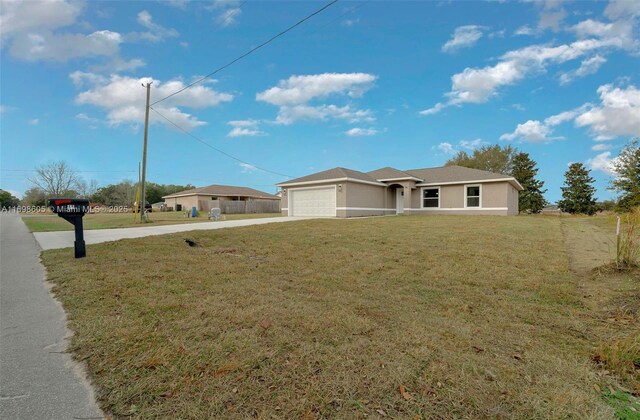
(471, 316)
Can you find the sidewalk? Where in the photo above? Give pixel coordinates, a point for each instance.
(54, 240)
(38, 380)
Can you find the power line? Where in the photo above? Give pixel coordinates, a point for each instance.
(215, 148)
(251, 51)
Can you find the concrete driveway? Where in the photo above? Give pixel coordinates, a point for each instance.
(38, 380)
(54, 240)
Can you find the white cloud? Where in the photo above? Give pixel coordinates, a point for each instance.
(532, 131)
(123, 98)
(525, 30)
(479, 85)
(155, 33)
(463, 37)
(244, 128)
(471, 144)
(293, 95)
(588, 66)
(617, 9)
(34, 121)
(617, 115)
(350, 22)
(599, 147)
(227, 12)
(179, 4)
(446, 148)
(247, 167)
(30, 28)
(358, 132)
(551, 15)
(602, 162)
(433, 110)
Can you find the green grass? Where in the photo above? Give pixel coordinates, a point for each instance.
(51, 222)
(474, 317)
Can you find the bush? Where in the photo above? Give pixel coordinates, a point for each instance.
(628, 249)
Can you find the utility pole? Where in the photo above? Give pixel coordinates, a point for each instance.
(142, 203)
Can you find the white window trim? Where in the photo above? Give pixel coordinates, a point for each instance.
(290, 201)
(479, 206)
(422, 197)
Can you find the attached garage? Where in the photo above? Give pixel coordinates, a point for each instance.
(316, 201)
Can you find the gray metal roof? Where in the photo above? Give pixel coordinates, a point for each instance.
(225, 191)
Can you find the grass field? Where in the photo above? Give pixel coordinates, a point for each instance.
(52, 222)
(398, 317)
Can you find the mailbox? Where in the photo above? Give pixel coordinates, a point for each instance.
(72, 210)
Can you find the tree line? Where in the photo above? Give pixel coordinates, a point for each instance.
(578, 192)
(58, 179)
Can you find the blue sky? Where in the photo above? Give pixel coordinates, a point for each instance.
(362, 85)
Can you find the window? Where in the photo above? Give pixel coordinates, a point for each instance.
(214, 198)
(431, 197)
(473, 196)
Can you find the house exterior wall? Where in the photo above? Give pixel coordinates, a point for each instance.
(363, 200)
(200, 202)
(497, 198)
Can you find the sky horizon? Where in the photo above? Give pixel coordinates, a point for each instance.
(363, 85)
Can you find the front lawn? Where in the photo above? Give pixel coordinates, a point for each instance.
(401, 317)
(51, 222)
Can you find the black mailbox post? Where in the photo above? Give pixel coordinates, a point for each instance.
(72, 210)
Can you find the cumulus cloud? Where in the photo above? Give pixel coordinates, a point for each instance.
(463, 37)
(446, 148)
(602, 162)
(34, 121)
(588, 66)
(31, 28)
(293, 96)
(359, 132)
(123, 98)
(599, 147)
(617, 115)
(595, 39)
(244, 128)
(471, 144)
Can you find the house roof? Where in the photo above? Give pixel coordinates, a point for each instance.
(389, 173)
(335, 174)
(455, 174)
(426, 176)
(224, 191)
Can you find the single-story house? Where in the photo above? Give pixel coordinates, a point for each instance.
(206, 198)
(342, 192)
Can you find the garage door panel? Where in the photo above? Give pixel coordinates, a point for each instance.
(319, 201)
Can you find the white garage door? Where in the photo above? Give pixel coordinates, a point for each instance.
(313, 202)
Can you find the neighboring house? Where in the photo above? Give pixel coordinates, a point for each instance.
(551, 209)
(206, 198)
(344, 192)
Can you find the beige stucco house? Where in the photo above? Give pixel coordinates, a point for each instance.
(206, 198)
(342, 192)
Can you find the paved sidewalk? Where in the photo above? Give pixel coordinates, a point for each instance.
(37, 379)
(54, 240)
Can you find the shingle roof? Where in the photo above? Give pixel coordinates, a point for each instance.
(389, 173)
(454, 174)
(225, 191)
(335, 173)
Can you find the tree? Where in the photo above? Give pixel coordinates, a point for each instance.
(8, 200)
(531, 199)
(121, 194)
(86, 189)
(577, 194)
(487, 158)
(34, 197)
(627, 176)
(56, 179)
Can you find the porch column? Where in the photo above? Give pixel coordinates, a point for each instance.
(407, 199)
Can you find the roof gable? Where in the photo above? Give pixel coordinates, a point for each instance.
(389, 173)
(332, 174)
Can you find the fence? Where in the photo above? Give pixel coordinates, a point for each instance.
(241, 207)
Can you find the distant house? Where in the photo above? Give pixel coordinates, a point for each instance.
(342, 192)
(206, 198)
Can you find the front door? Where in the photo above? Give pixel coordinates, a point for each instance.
(399, 200)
